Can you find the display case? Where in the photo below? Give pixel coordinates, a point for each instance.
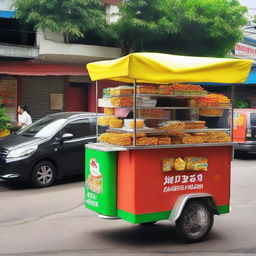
(165, 115)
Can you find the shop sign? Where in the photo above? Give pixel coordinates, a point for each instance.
(245, 50)
(56, 101)
(183, 182)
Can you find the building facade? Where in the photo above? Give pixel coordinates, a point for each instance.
(41, 71)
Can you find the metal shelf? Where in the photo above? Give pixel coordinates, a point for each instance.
(162, 131)
(166, 108)
(145, 95)
(110, 147)
(138, 130)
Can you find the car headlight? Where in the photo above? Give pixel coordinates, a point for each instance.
(22, 152)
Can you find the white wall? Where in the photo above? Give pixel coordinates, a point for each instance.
(73, 53)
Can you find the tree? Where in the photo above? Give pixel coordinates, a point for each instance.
(189, 27)
(71, 17)
(5, 121)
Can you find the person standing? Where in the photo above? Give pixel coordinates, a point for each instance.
(24, 119)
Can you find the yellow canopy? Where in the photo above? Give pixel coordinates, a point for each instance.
(161, 68)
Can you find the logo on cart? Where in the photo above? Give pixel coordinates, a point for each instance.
(94, 180)
(94, 168)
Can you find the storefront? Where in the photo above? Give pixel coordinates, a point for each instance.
(44, 88)
(8, 95)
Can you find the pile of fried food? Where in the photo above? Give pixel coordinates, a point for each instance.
(173, 89)
(126, 139)
(213, 100)
(181, 125)
(111, 121)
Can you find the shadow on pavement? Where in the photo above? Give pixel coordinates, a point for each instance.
(14, 185)
(162, 233)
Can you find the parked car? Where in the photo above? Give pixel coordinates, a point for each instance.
(48, 149)
(245, 130)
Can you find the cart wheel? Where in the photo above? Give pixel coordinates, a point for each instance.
(195, 222)
(148, 224)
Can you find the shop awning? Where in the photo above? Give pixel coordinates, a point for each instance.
(28, 68)
(6, 14)
(164, 68)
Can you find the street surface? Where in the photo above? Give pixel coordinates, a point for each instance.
(53, 221)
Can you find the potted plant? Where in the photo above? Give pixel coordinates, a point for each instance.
(5, 122)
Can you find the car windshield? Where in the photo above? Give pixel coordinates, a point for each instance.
(43, 128)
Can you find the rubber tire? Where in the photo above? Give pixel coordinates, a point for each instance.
(33, 179)
(148, 224)
(183, 234)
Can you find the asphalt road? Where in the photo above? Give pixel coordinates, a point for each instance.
(53, 221)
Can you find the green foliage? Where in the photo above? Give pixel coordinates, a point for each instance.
(72, 17)
(241, 104)
(189, 27)
(5, 121)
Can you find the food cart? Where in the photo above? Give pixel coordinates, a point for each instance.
(156, 159)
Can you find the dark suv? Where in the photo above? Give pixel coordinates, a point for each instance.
(48, 149)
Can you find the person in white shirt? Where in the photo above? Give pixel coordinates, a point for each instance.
(24, 119)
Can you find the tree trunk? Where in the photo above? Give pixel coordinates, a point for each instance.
(66, 37)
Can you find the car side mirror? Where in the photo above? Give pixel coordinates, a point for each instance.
(67, 136)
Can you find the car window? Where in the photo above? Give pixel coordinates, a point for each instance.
(81, 128)
(253, 119)
(44, 127)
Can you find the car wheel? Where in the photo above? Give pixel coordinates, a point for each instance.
(43, 174)
(195, 222)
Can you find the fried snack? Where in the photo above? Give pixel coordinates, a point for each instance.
(179, 164)
(138, 134)
(214, 100)
(167, 164)
(142, 141)
(146, 89)
(180, 125)
(152, 140)
(165, 140)
(176, 140)
(122, 101)
(122, 90)
(173, 125)
(224, 139)
(109, 111)
(139, 124)
(199, 124)
(188, 140)
(105, 120)
(188, 89)
(116, 123)
(200, 137)
(106, 137)
(123, 139)
(165, 89)
(211, 112)
(211, 139)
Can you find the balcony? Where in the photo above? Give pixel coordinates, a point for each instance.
(52, 49)
(18, 51)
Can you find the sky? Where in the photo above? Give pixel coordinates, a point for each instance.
(250, 4)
